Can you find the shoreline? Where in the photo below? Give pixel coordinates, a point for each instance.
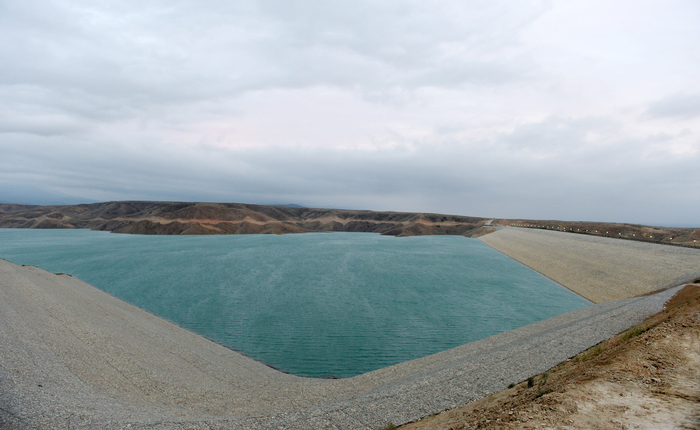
(74, 356)
(200, 218)
(597, 268)
(81, 335)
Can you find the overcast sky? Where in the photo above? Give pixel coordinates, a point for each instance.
(573, 110)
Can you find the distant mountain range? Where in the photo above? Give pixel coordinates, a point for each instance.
(229, 218)
(143, 217)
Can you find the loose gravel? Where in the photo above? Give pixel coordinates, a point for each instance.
(72, 356)
(598, 268)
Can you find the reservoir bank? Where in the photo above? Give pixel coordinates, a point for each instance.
(316, 304)
(76, 357)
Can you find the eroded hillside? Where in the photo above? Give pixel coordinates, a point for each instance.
(142, 217)
(229, 218)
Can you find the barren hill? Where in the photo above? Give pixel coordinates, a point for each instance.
(144, 217)
(229, 218)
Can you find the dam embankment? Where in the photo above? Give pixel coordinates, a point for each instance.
(598, 268)
(72, 356)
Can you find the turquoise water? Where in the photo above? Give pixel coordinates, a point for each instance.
(315, 304)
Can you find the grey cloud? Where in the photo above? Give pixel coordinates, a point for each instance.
(676, 106)
(556, 135)
(79, 78)
(475, 180)
(399, 44)
(21, 193)
(158, 52)
(42, 125)
(92, 62)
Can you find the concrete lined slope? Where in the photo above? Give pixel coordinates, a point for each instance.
(597, 268)
(71, 356)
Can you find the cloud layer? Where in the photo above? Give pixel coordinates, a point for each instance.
(569, 110)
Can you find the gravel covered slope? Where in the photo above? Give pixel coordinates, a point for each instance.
(598, 268)
(72, 356)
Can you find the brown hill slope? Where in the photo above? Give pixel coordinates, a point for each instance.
(228, 218)
(143, 217)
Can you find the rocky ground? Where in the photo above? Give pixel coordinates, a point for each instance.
(645, 378)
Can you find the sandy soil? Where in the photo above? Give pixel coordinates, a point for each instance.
(645, 378)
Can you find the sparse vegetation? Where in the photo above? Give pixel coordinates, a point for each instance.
(633, 332)
(587, 355)
(542, 391)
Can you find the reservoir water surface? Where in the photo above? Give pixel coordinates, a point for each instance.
(314, 304)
